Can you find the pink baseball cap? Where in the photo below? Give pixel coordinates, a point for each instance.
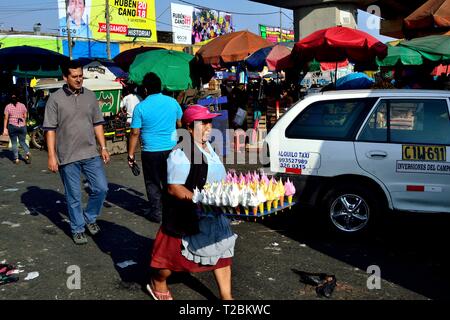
(197, 112)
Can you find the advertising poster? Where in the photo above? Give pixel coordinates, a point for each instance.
(182, 23)
(129, 19)
(273, 34)
(209, 24)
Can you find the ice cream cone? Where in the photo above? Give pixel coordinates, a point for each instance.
(255, 211)
(230, 209)
(261, 208)
(282, 201)
(238, 210)
(224, 210)
(289, 199)
(269, 205)
(246, 210)
(275, 203)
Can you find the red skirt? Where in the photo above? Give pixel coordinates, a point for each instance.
(166, 254)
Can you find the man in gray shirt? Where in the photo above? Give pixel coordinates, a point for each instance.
(72, 121)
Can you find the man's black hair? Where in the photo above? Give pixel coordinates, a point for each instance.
(152, 83)
(72, 64)
(67, 2)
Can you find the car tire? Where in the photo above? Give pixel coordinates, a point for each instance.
(351, 209)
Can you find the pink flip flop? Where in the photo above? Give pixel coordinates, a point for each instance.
(159, 295)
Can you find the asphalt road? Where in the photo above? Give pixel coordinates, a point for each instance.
(410, 251)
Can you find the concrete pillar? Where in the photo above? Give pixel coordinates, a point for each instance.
(313, 18)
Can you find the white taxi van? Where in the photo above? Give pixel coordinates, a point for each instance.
(356, 154)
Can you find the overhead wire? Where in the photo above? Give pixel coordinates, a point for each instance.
(287, 16)
(162, 13)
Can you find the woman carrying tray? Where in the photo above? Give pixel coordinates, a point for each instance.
(189, 241)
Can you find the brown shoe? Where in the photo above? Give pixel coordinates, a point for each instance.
(16, 161)
(28, 159)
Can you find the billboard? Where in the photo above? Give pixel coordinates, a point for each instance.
(208, 24)
(273, 34)
(129, 19)
(181, 23)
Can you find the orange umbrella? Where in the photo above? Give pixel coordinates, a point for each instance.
(433, 13)
(232, 47)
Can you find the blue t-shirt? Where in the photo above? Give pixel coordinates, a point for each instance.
(157, 116)
(178, 166)
(82, 30)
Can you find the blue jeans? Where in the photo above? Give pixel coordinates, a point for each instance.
(94, 172)
(21, 133)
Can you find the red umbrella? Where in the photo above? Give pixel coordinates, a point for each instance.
(126, 58)
(324, 66)
(339, 43)
(232, 47)
(275, 58)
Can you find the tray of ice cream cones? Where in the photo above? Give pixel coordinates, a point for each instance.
(249, 195)
(254, 212)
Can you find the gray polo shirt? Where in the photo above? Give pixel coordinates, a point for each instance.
(73, 117)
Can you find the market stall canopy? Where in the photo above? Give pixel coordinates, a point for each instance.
(407, 56)
(337, 44)
(91, 84)
(172, 67)
(126, 58)
(37, 73)
(432, 15)
(398, 55)
(356, 80)
(275, 58)
(232, 47)
(27, 59)
(429, 45)
(101, 69)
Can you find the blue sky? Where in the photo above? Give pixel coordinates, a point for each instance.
(23, 14)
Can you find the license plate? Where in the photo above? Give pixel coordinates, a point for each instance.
(424, 153)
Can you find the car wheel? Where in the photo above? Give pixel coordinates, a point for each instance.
(350, 209)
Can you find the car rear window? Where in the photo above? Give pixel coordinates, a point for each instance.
(331, 119)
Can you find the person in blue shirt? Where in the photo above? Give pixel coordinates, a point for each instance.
(155, 120)
(78, 27)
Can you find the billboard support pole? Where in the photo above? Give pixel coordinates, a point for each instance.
(108, 40)
(281, 32)
(69, 36)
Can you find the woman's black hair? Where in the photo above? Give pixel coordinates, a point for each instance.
(191, 125)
